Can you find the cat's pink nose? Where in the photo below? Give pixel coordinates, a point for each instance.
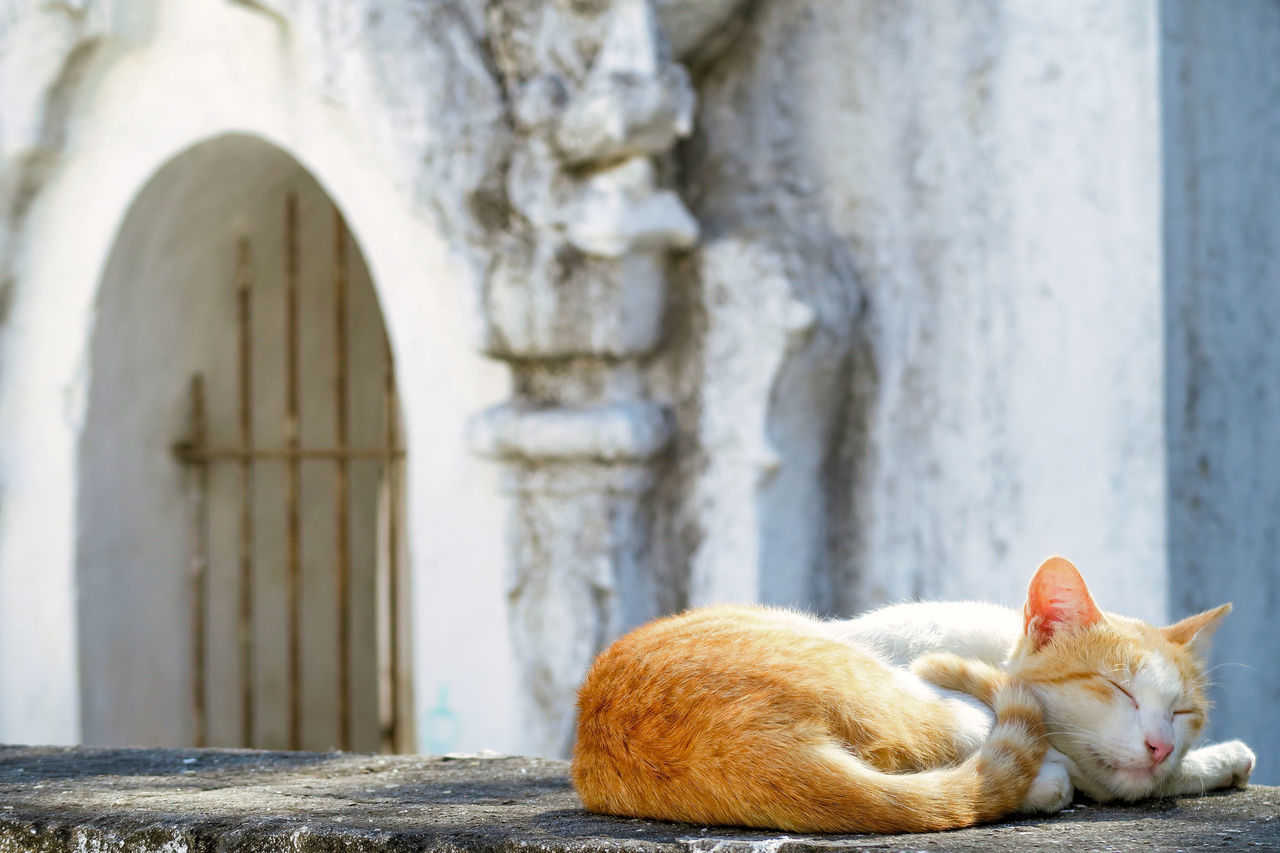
(1159, 749)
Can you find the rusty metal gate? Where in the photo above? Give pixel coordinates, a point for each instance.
(252, 460)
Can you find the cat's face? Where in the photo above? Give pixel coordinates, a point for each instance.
(1122, 699)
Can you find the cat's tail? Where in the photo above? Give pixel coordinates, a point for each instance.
(807, 766)
(853, 797)
(817, 784)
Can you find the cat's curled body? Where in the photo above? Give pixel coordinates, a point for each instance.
(757, 717)
(771, 719)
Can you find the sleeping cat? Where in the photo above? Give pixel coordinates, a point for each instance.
(1122, 700)
(771, 719)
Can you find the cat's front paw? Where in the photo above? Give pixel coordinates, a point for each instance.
(1238, 762)
(1220, 765)
(953, 672)
(1052, 790)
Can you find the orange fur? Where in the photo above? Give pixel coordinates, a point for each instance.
(753, 717)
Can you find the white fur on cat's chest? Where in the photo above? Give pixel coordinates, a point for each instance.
(901, 633)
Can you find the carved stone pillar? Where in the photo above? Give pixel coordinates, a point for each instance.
(574, 297)
(578, 477)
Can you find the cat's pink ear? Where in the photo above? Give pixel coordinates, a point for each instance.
(1196, 631)
(1057, 600)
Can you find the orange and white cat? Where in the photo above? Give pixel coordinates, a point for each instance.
(768, 718)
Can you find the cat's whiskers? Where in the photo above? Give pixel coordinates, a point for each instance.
(1078, 740)
(1253, 669)
(1083, 737)
(1070, 732)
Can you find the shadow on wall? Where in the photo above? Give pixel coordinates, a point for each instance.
(1222, 339)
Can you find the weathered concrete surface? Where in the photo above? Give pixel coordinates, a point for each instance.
(56, 799)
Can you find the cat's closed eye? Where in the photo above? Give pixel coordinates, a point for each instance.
(1121, 688)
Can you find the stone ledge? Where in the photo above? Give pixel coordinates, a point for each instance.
(190, 801)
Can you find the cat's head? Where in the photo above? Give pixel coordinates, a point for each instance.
(1123, 699)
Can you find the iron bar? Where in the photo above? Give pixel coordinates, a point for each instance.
(341, 471)
(293, 475)
(196, 456)
(391, 738)
(199, 569)
(244, 454)
(245, 532)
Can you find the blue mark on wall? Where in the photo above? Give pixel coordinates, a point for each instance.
(441, 726)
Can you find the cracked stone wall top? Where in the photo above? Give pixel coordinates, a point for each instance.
(57, 801)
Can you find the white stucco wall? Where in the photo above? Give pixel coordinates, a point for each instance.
(926, 336)
(1012, 255)
(994, 178)
(213, 68)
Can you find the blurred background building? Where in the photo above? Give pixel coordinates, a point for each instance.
(366, 365)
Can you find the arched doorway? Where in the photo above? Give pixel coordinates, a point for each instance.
(240, 550)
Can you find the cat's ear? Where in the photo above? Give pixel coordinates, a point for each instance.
(1196, 631)
(1057, 600)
